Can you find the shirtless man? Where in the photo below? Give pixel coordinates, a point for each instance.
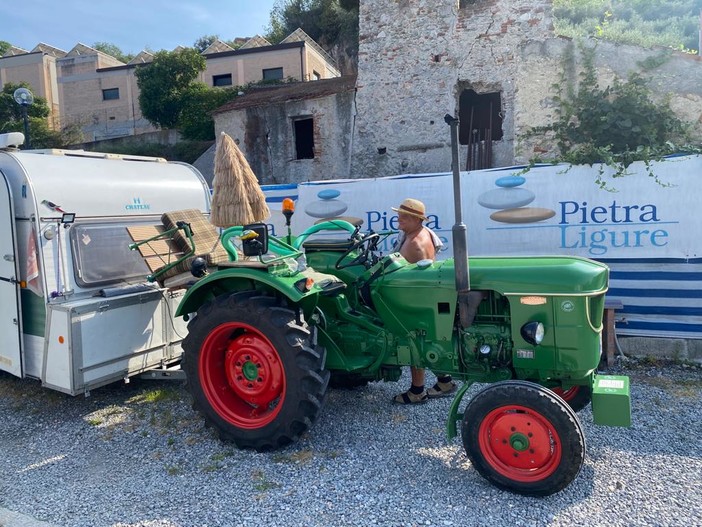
(417, 242)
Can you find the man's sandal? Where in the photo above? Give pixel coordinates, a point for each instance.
(441, 389)
(411, 398)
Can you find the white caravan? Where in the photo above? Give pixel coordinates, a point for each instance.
(76, 311)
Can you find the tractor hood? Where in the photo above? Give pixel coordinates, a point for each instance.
(423, 297)
(543, 275)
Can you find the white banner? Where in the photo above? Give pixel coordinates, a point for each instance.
(550, 209)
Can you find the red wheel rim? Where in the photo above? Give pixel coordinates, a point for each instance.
(520, 444)
(242, 375)
(566, 395)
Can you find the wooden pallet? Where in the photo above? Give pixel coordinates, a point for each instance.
(156, 253)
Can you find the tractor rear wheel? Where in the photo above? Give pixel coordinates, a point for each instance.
(523, 439)
(253, 370)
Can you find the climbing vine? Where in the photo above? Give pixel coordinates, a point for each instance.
(615, 125)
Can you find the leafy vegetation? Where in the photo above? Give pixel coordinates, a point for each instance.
(113, 51)
(4, 46)
(186, 151)
(333, 24)
(205, 41)
(41, 134)
(614, 125)
(199, 101)
(170, 96)
(647, 23)
(164, 82)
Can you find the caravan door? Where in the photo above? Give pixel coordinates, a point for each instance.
(10, 323)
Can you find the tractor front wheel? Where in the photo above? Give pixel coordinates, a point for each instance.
(253, 371)
(521, 438)
(578, 397)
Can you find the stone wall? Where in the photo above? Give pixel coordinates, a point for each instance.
(415, 58)
(677, 78)
(265, 134)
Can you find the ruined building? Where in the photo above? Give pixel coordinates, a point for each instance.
(493, 63)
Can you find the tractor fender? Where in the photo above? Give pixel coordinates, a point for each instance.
(454, 414)
(237, 279)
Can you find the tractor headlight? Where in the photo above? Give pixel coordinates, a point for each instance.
(533, 332)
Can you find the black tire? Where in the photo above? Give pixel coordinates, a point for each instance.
(254, 371)
(577, 397)
(523, 439)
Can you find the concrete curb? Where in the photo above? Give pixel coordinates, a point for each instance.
(675, 349)
(9, 518)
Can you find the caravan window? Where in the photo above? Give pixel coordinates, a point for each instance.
(101, 255)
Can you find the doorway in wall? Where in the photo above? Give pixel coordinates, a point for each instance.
(480, 117)
(303, 131)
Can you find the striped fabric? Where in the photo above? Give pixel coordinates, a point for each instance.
(660, 297)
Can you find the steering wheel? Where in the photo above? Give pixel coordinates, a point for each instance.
(368, 243)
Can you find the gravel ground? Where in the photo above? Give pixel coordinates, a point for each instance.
(137, 455)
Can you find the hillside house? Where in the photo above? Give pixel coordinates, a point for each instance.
(99, 93)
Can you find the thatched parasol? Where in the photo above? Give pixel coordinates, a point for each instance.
(237, 198)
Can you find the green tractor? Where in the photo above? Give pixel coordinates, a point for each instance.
(268, 334)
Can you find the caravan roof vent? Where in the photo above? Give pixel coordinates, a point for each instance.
(11, 140)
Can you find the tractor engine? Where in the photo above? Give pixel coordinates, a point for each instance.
(489, 344)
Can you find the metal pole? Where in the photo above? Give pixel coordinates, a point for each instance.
(460, 244)
(27, 142)
(470, 164)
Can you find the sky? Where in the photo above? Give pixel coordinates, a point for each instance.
(131, 25)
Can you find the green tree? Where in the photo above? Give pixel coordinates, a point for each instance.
(199, 101)
(41, 135)
(113, 51)
(332, 23)
(164, 83)
(615, 125)
(4, 46)
(235, 43)
(204, 42)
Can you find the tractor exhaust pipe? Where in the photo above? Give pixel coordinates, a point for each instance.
(459, 233)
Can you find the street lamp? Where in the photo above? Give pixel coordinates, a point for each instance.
(24, 98)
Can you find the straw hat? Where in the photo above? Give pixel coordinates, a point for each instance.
(413, 207)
